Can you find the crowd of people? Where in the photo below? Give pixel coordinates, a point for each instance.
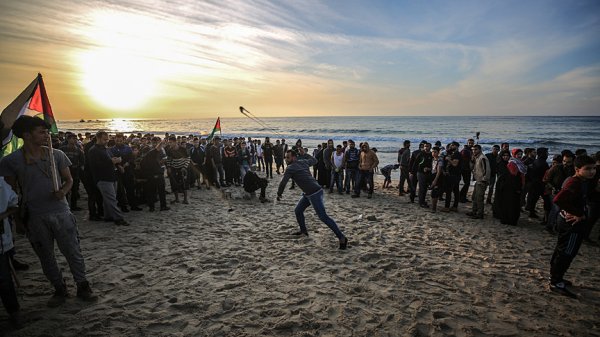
(122, 174)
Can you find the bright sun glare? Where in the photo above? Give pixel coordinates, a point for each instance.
(122, 73)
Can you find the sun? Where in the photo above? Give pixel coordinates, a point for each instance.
(116, 79)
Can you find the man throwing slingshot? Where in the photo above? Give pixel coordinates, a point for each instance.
(298, 165)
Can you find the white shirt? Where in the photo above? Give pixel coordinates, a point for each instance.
(8, 198)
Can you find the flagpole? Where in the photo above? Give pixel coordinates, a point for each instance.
(53, 170)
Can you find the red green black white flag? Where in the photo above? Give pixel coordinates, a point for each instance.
(33, 101)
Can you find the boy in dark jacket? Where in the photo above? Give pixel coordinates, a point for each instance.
(572, 222)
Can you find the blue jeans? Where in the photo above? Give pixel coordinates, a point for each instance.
(337, 179)
(351, 175)
(316, 200)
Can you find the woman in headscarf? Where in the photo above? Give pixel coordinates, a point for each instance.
(509, 186)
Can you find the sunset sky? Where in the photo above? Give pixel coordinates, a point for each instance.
(196, 59)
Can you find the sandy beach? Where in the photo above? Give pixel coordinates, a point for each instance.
(225, 266)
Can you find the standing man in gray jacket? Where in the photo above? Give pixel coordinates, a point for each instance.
(298, 170)
(481, 176)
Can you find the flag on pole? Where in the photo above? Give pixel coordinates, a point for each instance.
(33, 101)
(217, 127)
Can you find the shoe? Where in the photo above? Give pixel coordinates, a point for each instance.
(445, 210)
(355, 195)
(185, 202)
(561, 288)
(15, 320)
(347, 192)
(424, 205)
(59, 297)
(121, 222)
(469, 214)
(476, 216)
(85, 293)
(165, 208)
(95, 218)
(151, 209)
(454, 209)
(263, 200)
(136, 209)
(412, 200)
(340, 193)
(330, 191)
(19, 265)
(75, 209)
(344, 244)
(124, 209)
(174, 202)
(400, 193)
(300, 233)
(369, 196)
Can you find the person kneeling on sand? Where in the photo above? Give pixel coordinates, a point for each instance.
(253, 182)
(298, 171)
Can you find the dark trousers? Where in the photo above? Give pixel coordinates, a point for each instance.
(592, 216)
(126, 189)
(452, 189)
(567, 247)
(232, 170)
(350, 182)
(8, 293)
(73, 195)
(412, 186)
(491, 188)
(95, 206)
(364, 176)
(269, 166)
(153, 187)
(336, 179)
(466, 178)
(423, 183)
(403, 177)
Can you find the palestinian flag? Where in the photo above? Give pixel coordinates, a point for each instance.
(33, 101)
(215, 129)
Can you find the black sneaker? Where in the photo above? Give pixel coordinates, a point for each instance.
(165, 208)
(59, 297)
(561, 288)
(344, 244)
(135, 208)
(85, 293)
(298, 233)
(121, 222)
(355, 195)
(19, 265)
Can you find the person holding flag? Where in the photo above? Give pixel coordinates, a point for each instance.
(48, 217)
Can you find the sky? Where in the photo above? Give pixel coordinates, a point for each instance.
(200, 59)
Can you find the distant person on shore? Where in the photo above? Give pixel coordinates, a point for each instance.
(437, 176)
(466, 169)
(299, 171)
(48, 218)
(315, 154)
(351, 160)
(572, 222)
(403, 160)
(105, 177)
(386, 171)
(267, 151)
(337, 170)
(452, 178)
(509, 186)
(75, 154)
(481, 176)
(413, 166)
(493, 159)
(366, 168)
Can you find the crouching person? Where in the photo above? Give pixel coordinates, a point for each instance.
(252, 182)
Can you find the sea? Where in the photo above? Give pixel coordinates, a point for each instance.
(384, 133)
